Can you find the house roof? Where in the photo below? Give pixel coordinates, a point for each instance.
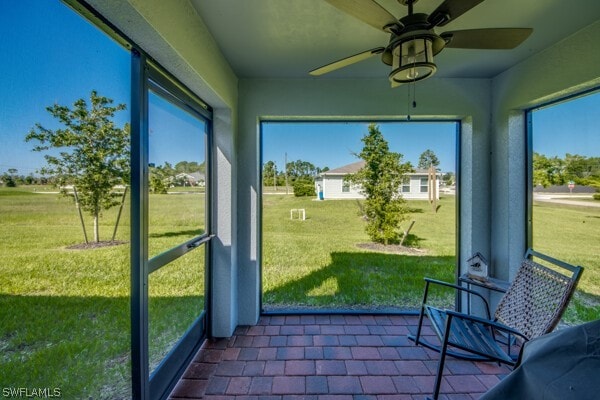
(194, 175)
(346, 169)
(354, 167)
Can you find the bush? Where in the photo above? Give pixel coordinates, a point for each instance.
(9, 181)
(303, 188)
(596, 196)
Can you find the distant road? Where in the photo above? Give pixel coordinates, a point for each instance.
(566, 199)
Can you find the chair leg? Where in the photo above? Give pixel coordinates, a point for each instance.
(418, 335)
(440, 371)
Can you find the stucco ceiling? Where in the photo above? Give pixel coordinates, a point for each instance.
(288, 38)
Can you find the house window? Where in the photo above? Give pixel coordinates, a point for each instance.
(406, 184)
(345, 187)
(564, 174)
(424, 185)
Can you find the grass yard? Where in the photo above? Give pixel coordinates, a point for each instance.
(316, 262)
(572, 233)
(64, 314)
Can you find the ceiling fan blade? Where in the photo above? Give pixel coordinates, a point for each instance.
(492, 38)
(367, 11)
(344, 62)
(449, 10)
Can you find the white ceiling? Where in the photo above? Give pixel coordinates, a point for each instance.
(288, 38)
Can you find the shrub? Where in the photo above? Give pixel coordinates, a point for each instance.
(303, 188)
(9, 181)
(596, 196)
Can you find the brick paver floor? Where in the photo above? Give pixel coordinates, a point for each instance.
(326, 357)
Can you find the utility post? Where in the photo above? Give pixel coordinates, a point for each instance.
(433, 187)
(287, 189)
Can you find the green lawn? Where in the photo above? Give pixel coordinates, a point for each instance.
(316, 262)
(64, 314)
(572, 234)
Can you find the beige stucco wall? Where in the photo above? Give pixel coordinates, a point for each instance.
(468, 100)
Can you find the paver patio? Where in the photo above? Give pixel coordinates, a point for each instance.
(329, 357)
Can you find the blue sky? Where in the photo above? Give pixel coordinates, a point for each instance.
(52, 55)
(569, 127)
(174, 135)
(334, 144)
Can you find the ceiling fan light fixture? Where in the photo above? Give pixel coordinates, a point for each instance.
(412, 60)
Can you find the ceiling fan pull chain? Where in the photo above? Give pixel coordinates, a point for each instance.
(414, 91)
(414, 103)
(408, 103)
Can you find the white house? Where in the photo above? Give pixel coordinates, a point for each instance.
(332, 185)
(191, 179)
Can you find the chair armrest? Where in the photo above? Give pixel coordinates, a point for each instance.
(456, 287)
(490, 323)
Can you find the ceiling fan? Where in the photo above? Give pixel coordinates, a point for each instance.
(413, 42)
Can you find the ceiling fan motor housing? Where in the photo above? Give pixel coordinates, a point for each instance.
(410, 51)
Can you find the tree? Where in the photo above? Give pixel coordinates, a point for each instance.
(427, 159)
(301, 170)
(29, 180)
(448, 178)
(380, 181)
(9, 181)
(188, 167)
(10, 178)
(269, 173)
(548, 171)
(580, 168)
(158, 179)
(94, 153)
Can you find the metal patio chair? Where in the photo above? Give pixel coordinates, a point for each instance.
(532, 306)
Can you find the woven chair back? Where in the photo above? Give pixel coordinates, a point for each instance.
(536, 299)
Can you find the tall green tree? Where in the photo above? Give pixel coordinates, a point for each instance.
(301, 170)
(427, 159)
(89, 152)
(548, 171)
(381, 180)
(189, 167)
(580, 168)
(269, 173)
